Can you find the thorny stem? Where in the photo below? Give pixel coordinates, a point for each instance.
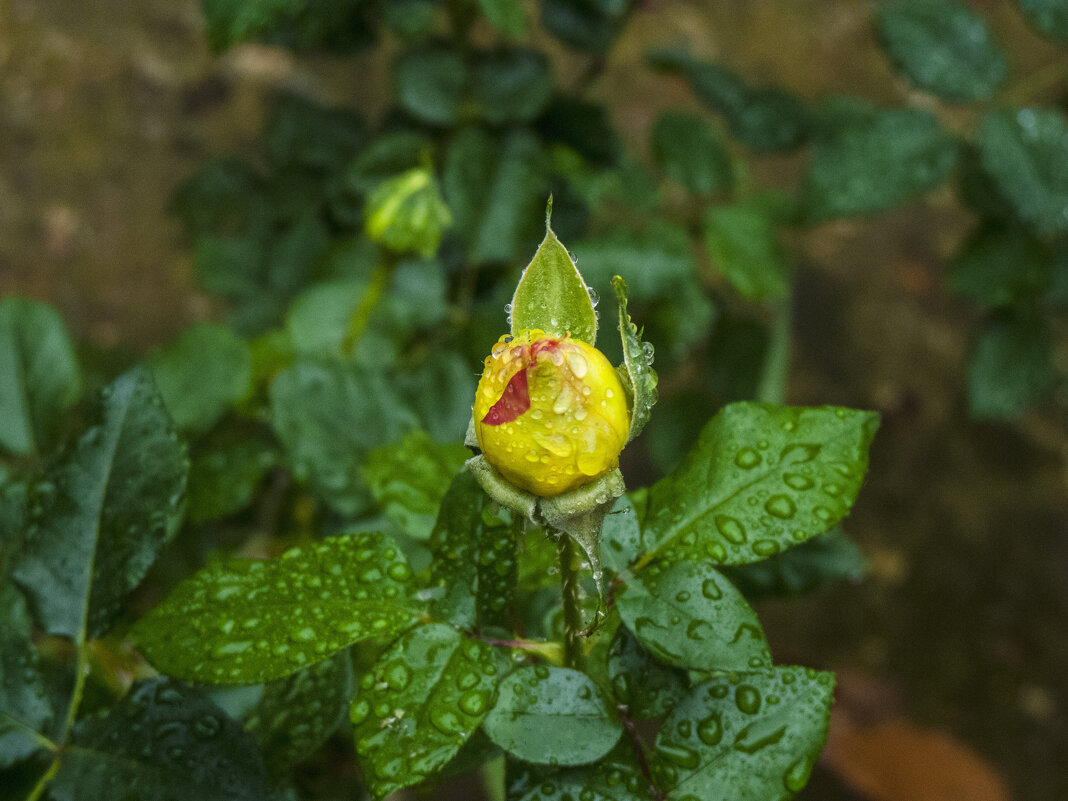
(639, 752)
(574, 651)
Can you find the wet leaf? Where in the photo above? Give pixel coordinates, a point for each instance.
(202, 374)
(1010, 367)
(748, 736)
(108, 505)
(641, 378)
(743, 244)
(621, 541)
(295, 715)
(161, 736)
(25, 710)
(1000, 265)
(409, 477)
(760, 479)
(553, 716)
(1025, 152)
(614, 778)
(39, 375)
(823, 559)
(647, 686)
(474, 557)
(243, 621)
(328, 416)
(688, 615)
(690, 153)
(943, 47)
(551, 295)
(867, 159)
(420, 703)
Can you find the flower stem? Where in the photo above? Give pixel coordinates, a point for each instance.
(574, 651)
(775, 373)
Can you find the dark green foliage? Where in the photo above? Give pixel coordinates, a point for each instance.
(690, 152)
(243, 621)
(25, 710)
(1011, 365)
(39, 375)
(1049, 16)
(161, 736)
(1000, 265)
(943, 47)
(1025, 152)
(866, 159)
(553, 716)
(743, 245)
(106, 507)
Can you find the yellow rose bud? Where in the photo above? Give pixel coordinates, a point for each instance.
(550, 412)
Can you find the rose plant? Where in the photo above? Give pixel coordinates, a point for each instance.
(628, 667)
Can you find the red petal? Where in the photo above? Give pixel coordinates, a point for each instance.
(514, 401)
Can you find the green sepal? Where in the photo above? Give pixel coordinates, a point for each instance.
(639, 377)
(551, 295)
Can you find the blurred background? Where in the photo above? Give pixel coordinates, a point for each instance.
(952, 651)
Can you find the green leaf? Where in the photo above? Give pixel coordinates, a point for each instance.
(324, 25)
(409, 477)
(114, 498)
(742, 242)
(640, 377)
(823, 559)
(25, 710)
(551, 295)
(553, 716)
(295, 253)
(1049, 16)
(1025, 152)
(1010, 367)
(585, 128)
(943, 47)
(690, 153)
(225, 197)
(688, 615)
(614, 778)
(765, 119)
(760, 479)
(202, 374)
(39, 375)
(440, 391)
(647, 686)
(584, 24)
(474, 557)
(410, 18)
(507, 16)
(407, 213)
(745, 736)
(244, 621)
(512, 85)
(231, 266)
(161, 736)
(621, 536)
(1000, 265)
(655, 260)
(385, 156)
(328, 416)
(306, 133)
(422, 701)
(233, 21)
(866, 160)
(495, 189)
(14, 515)
(430, 83)
(295, 715)
(225, 471)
